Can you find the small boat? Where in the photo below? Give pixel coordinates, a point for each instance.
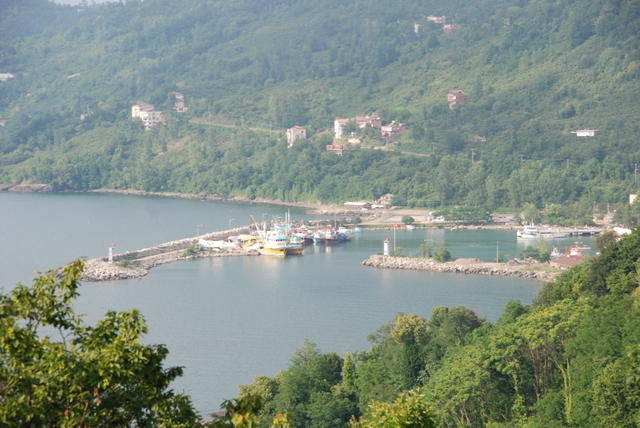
(555, 254)
(582, 246)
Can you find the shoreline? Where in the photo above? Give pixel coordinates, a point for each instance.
(377, 219)
(463, 266)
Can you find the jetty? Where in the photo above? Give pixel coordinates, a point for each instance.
(463, 266)
(136, 264)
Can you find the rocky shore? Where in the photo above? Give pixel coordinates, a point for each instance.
(465, 266)
(136, 264)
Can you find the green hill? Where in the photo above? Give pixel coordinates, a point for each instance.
(533, 71)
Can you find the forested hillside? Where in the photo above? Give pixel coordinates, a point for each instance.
(571, 359)
(533, 71)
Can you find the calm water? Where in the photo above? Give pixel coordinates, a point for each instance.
(229, 319)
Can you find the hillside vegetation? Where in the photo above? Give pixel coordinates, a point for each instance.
(533, 71)
(570, 359)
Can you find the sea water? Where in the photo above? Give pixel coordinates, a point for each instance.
(227, 320)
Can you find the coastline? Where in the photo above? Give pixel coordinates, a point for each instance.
(463, 266)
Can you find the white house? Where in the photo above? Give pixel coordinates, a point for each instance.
(585, 132)
(179, 106)
(6, 76)
(338, 124)
(437, 19)
(147, 114)
(295, 133)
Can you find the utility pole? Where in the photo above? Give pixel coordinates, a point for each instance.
(635, 174)
(497, 251)
(472, 154)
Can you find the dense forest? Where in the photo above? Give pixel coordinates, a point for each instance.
(534, 72)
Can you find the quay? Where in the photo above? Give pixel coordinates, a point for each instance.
(581, 232)
(136, 264)
(464, 266)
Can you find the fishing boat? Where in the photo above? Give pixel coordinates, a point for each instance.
(331, 236)
(318, 237)
(295, 246)
(275, 244)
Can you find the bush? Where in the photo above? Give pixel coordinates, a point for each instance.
(128, 263)
(442, 255)
(192, 250)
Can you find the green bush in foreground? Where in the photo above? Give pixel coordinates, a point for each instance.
(90, 376)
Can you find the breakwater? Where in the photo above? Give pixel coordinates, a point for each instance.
(464, 266)
(136, 264)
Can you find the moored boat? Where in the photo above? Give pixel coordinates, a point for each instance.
(532, 232)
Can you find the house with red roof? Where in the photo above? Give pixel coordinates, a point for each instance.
(455, 97)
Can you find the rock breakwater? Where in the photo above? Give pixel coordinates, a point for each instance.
(464, 266)
(136, 264)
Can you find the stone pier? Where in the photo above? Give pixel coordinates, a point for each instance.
(137, 263)
(464, 266)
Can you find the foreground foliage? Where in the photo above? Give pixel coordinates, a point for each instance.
(571, 359)
(56, 371)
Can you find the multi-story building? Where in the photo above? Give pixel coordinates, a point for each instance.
(372, 120)
(393, 129)
(338, 125)
(147, 114)
(295, 133)
(437, 19)
(448, 28)
(455, 97)
(179, 106)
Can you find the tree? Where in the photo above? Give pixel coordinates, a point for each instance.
(407, 219)
(442, 255)
(605, 238)
(411, 333)
(349, 128)
(530, 213)
(410, 410)
(543, 251)
(240, 413)
(349, 373)
(90, 376)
